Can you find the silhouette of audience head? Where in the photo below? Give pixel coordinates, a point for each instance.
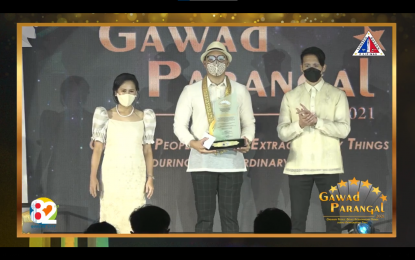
(272, 220)
(150, 219)
(101, 228)
(74, 92)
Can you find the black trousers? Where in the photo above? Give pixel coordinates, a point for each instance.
(227, 186)
(300, 194)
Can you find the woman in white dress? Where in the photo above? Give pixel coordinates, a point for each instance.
(125, 136)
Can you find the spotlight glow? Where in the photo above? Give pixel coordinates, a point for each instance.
(363, 228)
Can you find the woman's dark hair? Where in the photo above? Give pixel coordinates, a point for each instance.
(314, 51)
(120, 79)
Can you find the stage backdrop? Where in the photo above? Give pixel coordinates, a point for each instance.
(69, 71)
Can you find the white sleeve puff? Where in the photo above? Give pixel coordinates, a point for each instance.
(99, 125)
(149, 126)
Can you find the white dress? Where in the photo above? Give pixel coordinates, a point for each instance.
(123, 178)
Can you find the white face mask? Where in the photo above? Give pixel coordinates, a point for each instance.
(126, 99)
(216, 68)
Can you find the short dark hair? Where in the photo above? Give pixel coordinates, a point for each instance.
(272, 220)
(150, 219)
(314, 51)
(120, 79)
(101, 228)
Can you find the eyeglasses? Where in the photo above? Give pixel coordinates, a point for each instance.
(212, 58)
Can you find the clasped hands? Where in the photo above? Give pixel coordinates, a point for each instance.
(306, 117)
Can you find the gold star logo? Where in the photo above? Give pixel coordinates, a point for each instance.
(383, 197)
(333, 188)
(375, 34)
(376, 190)
(366, 184)
(354, 181)
(342, 183)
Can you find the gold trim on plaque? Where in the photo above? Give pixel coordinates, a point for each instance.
(225, 144)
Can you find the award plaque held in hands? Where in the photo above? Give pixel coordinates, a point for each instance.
(224, 122)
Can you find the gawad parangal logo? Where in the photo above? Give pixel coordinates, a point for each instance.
(356, 196)
(43, 211)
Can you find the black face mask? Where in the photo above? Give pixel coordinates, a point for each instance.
(312, 74)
